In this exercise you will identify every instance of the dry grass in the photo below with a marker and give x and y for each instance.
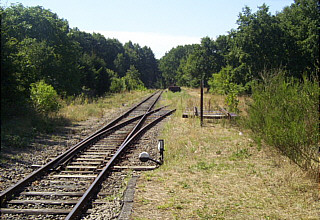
(214, 172)
(81, 108)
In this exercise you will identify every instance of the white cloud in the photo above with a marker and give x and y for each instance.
(159, 43)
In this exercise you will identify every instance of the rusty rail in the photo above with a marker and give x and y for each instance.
(18, 187)
(92, 190)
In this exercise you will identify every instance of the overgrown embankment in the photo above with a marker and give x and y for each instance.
(284, 113)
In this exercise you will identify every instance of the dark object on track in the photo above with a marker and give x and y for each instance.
(174, 88)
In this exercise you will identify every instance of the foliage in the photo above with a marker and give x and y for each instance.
(222, 83)
(131, 81)
(172, 62)
(116, 85)
(262, 41)
(144, 61)
(301, 22)
(284, 112)
(38, 45)
(44, 98)
(232, 98)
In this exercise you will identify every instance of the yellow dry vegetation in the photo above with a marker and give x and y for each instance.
(82, 108)
(218, 172)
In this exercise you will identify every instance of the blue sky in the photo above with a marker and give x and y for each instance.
(159, 24)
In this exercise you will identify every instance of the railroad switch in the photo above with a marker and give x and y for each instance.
(144, 157)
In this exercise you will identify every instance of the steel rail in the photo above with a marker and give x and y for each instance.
(97, 136)
(142, 119)
(92, 190)
(67, 156)
(16, 188)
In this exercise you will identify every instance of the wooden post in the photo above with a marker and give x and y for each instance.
(201, 103)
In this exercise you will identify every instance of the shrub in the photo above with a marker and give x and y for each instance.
(223, 83)
(132, 80)
(284, 112)
(44, 98)
(116, 85)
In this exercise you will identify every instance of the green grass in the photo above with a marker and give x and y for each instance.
(240, 154)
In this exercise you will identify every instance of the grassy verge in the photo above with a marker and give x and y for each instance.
(82, 108)
(216, 172)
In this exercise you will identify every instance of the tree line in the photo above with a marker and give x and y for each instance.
(261, 42)
(38, 46)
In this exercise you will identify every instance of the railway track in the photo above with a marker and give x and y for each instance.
(65, 187)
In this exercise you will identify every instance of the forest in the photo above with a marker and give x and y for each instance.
(261, 42)
(273, 58)
(37, 45)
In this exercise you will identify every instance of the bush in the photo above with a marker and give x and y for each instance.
(116, 85)
(222, 83)
(132, 80)
(284, 112)
(44, 98)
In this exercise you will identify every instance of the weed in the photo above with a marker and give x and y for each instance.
(171, 204)
(110, 198)
(145, 201)
(205, 213)
(184, 185)
(202, 165)
(240, 154)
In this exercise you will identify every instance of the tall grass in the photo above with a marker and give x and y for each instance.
(81, 107)
(284, 113)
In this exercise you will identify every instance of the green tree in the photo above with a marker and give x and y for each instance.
(121, 64)
(258, 44)
(144, 61)
(44, 98)
(200, 64)
(132, 80)
(36, 37)
(300, 21)
(171, 63)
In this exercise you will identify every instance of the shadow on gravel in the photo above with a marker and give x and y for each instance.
(20, 132)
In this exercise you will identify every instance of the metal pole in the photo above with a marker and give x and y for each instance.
(201, 102)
